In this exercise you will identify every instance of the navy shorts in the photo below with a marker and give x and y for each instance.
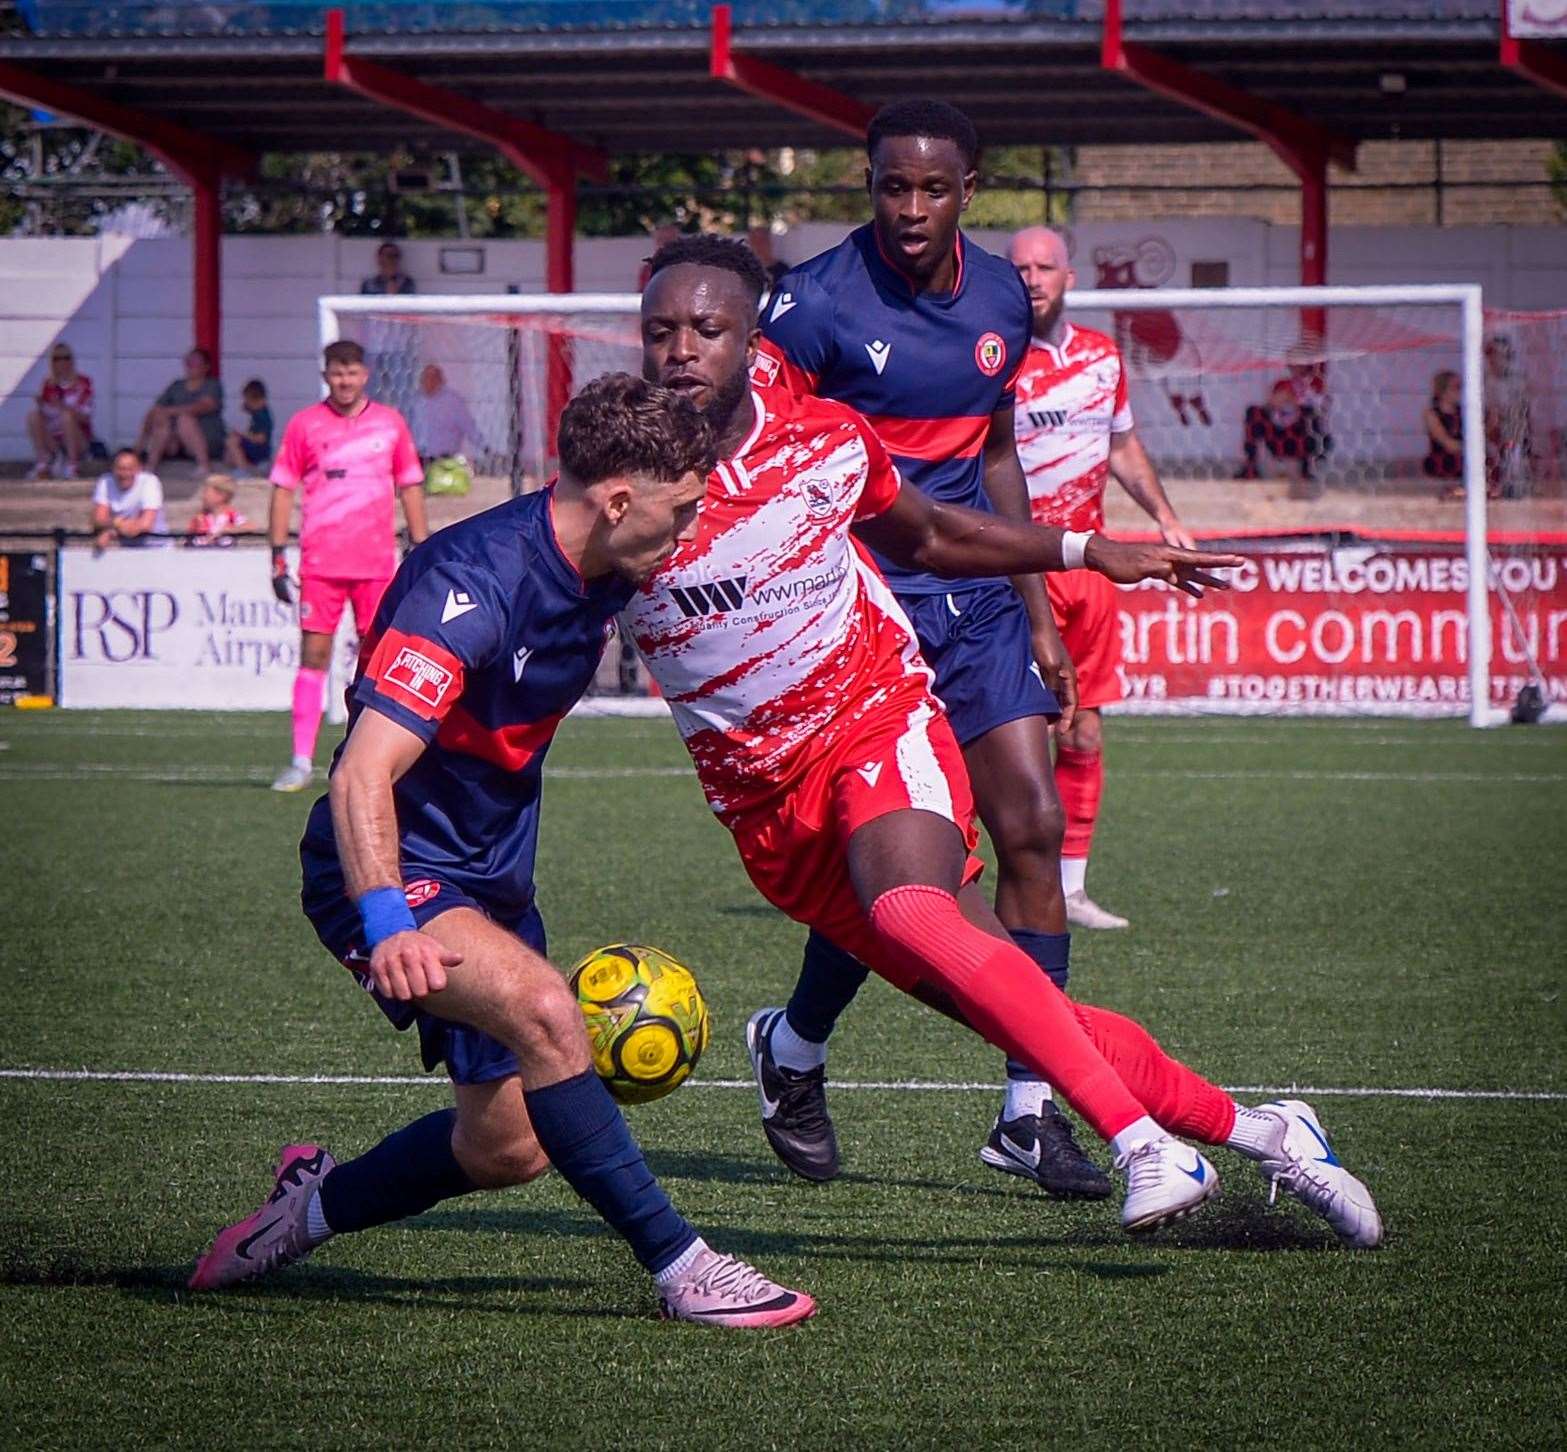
(978, 643)
(471, 1057)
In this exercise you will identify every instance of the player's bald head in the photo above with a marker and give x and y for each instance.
(1039, 244)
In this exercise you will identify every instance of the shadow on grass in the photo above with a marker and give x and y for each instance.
(316, 1282)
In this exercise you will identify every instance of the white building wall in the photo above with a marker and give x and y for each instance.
(124, 305)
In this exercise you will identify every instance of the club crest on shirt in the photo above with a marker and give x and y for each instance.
(818, 499)
(427, 681)
(990, 353)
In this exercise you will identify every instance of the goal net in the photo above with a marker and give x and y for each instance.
(1403, 560)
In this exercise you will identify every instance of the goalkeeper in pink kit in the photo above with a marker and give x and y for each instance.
(347, 456)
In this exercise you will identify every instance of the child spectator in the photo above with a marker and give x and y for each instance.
(218, 519)
(251, 446)
(1282, 427)
(1444, 424)
(127, 505)
(62, 421)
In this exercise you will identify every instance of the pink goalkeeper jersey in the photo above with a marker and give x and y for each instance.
(349, 468)
(1070, 400)
(771, 633)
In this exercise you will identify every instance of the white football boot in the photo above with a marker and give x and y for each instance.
(295, 777)
(1083, 912)
(1301, 1162)
(1165, 1180)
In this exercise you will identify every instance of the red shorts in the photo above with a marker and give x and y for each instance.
(794, 846)
(321, 602)
(1084, 604)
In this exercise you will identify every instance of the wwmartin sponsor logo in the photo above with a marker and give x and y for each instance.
(712, 597)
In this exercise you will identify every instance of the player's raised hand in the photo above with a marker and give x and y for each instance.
(1127, 564)
(410, 965)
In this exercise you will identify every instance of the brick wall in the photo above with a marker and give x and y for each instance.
(1216, 174)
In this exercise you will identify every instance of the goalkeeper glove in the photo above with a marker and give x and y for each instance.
(282, 586)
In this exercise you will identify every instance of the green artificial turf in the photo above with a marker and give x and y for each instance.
(1364, 906)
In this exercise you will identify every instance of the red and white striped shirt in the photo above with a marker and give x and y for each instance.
(1070, 400)
(771, 633)
(54, 398)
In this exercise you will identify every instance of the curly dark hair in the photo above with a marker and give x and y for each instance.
(621, 425)
(924, 118)
(704, 249)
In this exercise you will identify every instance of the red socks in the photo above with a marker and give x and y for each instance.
(1110, 1069)
(1002, 994)
(1080, 781)
(1181, 1100)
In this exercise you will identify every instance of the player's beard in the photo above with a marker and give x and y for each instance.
(1047, 322)
(727, 398)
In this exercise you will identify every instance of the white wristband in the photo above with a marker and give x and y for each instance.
(1074, 549)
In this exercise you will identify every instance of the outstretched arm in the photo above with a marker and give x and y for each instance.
(404, 962)
(1135, 473)
(949, 540)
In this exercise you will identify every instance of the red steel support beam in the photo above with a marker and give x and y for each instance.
(783, 87)
(1536, 62)
(199, 161)
(1301, 144)
(550, 159)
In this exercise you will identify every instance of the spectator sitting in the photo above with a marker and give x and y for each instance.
(218, 519)
(1283, 428)
(388, 279)
(440, 420)
(127, 504)
(1509, 438)
(251, 446)
(187, 418)
(1444, 424)
(62, 421)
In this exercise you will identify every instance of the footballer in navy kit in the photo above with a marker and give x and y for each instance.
(924, 332)
(418, 863)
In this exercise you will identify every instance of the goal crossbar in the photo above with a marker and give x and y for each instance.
(1466, 298)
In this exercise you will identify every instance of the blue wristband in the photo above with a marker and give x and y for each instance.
(384, 911)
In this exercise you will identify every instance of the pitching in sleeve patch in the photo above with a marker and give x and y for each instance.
(415, 673)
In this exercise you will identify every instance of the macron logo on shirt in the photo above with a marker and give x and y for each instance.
(519, 661)
(458, 603)
(784, 303)
(879, 352)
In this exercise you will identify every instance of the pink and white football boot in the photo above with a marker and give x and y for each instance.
(720, 1290)
(276, 1235)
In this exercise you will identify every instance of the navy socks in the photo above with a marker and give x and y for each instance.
(585, 1136)
(1052, 951)
(404, 1175)
(829, 979)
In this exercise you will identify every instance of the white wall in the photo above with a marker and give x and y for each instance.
(124, 305)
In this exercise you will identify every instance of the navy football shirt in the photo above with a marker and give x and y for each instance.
(485, 639)
(926, 369)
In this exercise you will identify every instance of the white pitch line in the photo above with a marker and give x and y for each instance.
(154, 1076)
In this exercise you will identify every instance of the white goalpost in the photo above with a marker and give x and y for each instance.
(1289, 421)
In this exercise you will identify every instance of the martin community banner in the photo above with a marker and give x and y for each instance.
(1311, 625)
